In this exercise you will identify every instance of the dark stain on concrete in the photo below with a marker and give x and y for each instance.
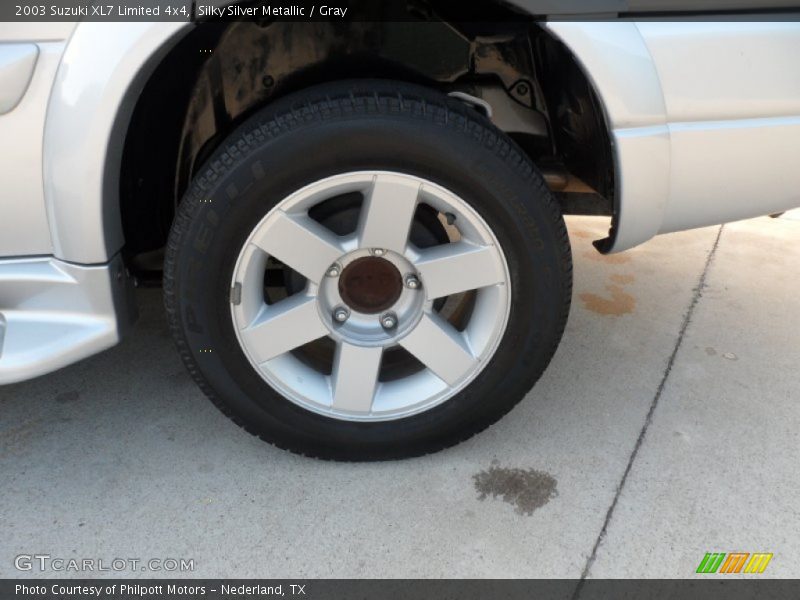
(620, 302)
(526, 490)
(68, 397)
(15, 439)
(623, 278)
(609, 259)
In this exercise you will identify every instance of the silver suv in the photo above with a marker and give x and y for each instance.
(358, 223)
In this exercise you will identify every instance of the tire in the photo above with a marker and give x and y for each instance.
(397, 134)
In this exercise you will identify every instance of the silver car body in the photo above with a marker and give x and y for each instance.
(704, 119)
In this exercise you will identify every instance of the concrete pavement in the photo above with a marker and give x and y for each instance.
(666, 427)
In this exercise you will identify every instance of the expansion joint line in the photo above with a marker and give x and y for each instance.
(687, 319)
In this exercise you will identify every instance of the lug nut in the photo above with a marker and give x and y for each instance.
(341, 314)
(333, 270)
(378, 251)
(413, 282)
(389, 321)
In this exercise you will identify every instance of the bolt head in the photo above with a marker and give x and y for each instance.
(378, 251)
(389, 321)
(413, 282)
(333, 271)
(341, 314)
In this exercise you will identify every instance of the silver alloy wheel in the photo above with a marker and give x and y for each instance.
(352, 296)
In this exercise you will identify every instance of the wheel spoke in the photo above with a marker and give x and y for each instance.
(460, 267)
(387, 213)
(438, 346)
(283, 327)
(355, 377)
(300, 242)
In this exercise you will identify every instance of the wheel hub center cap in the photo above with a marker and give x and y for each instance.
(370, 284)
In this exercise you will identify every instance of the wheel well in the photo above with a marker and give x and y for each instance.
(220, 73)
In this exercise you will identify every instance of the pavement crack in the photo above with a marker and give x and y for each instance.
(687, 319)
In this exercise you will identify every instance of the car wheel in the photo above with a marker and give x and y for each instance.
(367, 270)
